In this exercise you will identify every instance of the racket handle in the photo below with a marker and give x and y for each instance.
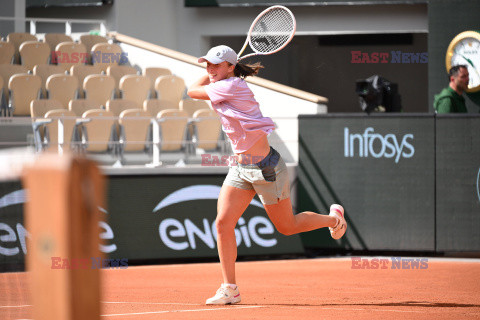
(243, 49)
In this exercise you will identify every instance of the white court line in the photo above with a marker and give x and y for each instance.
(126, 302)
(155, 303)
(20, 306)
(172, 311)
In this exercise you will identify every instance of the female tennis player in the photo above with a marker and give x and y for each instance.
(259, 168)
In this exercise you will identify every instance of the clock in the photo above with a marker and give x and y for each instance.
(465, 49)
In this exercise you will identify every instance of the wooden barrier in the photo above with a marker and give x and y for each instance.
(64, 193)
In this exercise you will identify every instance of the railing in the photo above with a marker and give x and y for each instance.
(68, 23)
(152, 156)
(192, 60)
(190, 152)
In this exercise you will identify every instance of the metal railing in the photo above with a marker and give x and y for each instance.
(68, 23)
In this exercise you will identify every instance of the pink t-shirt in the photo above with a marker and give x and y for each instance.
(239, 113)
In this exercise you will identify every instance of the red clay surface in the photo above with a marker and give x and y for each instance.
(281, 289)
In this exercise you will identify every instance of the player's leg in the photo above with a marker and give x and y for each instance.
(287, 223)
(232, 202)
(273, 188)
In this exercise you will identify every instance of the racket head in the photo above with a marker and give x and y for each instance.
(271, 31)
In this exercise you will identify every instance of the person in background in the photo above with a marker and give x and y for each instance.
(450, 99)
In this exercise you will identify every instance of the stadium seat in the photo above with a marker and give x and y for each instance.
(33, 53)
(80, 106)
(135, 88)
(170, 88)
(117, 106)
(99, 88)
(118, 72)
(154, 106)
(68, 54)
(134, 132)
(207, 130)
(63, 88)
(190, 106)
(17, 38)
(53, 39)
(98, 133)
(7, 52)
(68, 119)
(89, 40)
(81, 72)
(44, 71)
(153, 73)
(2, 111)
(105, 55)
(24, 88)
(39, 107)
(6, 72)
(173, 128)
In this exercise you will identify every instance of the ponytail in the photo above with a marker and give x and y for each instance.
(245, 70)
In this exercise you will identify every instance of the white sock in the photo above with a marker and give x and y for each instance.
(336, 224)
(231, 285)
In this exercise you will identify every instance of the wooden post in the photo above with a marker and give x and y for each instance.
(61, 214)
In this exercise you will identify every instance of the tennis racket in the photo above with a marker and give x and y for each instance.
(270, 32)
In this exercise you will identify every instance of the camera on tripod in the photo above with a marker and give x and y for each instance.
(377, 94)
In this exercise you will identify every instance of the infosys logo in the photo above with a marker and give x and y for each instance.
(371, 144)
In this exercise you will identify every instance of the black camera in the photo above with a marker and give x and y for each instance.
(377, 94)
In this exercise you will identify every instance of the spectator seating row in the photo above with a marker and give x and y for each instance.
(11, 51)
(118, 132)
(105, 108)
(122, 82)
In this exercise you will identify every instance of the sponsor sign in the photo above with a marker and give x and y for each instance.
(175, 215)
(458, 182)
(380, 168)
(151, 218)
(376, 145)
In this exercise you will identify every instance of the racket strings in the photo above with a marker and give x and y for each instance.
(272, 31)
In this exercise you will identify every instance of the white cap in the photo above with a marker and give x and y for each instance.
(219, 54)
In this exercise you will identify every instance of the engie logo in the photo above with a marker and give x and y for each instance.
(373, 144)
(182, 235)
(9, 238)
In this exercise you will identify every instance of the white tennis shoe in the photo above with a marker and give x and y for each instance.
(338, 231)
(225, 295)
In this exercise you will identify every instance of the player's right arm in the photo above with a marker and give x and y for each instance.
(197, 90)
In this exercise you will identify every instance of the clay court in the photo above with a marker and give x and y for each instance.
(325, 288)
